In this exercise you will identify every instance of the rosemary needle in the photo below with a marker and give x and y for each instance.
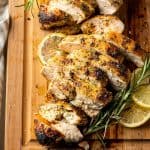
(28, 6)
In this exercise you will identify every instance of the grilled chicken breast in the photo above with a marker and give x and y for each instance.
(67, 30)
(90, 92)
(65, 88)
(45, 134)
(127, 46)
(65, 12)
(97, 56)
(62, 88)
(54, 112)
(53, 18)
(109, 6)
(69, 132)
(91, 97)
(48, 133)
(58, 121)
(117, 73)
(69, 12)
(79, 10)
(102, 24)
(75, 79)
(70, 43)
(86, 95)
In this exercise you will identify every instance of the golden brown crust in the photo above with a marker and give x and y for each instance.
(53, 18)
(102, 24)
(73, 42)
(59, 16)
(45, 135)
(67, 29)
(61, 110)
(127, 46)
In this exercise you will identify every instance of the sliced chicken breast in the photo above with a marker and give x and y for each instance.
(45, 134)
(78, 10)
(91, 97)
(90, 42)
(62, 88)
(67, 29)
(109, 6)
(52, 72)
(118, 74)
(102, 24)
(69, 132)
(52, 133)
(53, 18)
(127, 46)
(60, 110)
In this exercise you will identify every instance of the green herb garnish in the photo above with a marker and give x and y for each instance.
(111, 113)
(28, 6)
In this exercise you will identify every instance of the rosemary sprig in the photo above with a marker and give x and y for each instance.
(28, 6)
(111, 113)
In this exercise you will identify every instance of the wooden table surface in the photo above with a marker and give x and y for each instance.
(141, 34)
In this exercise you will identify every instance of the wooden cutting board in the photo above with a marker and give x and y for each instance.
(26, 87)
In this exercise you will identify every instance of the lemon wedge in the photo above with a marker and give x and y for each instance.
(134, 116)
(49, 47)
(142, 96)
(136, 76)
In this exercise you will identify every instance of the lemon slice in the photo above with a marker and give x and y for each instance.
(136, 75)
(49, 47)
(134, 116)
(142, 96)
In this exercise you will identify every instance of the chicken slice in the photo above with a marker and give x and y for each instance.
(67, 29)
(91, 97)
(62, 66)
(62, 88)
(65, 88)
(109, 6)
(127, 46)
(102, 24)
(70, 43)
(69, 132)
(60, 110)
(97, 96)
(78, 10)
(47, 133)
(118, 74)
(52, 72)
(53, 18)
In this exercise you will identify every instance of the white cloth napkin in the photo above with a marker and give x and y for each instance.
(4, 27)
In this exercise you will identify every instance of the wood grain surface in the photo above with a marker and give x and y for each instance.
(26, 87)
(14, 81)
